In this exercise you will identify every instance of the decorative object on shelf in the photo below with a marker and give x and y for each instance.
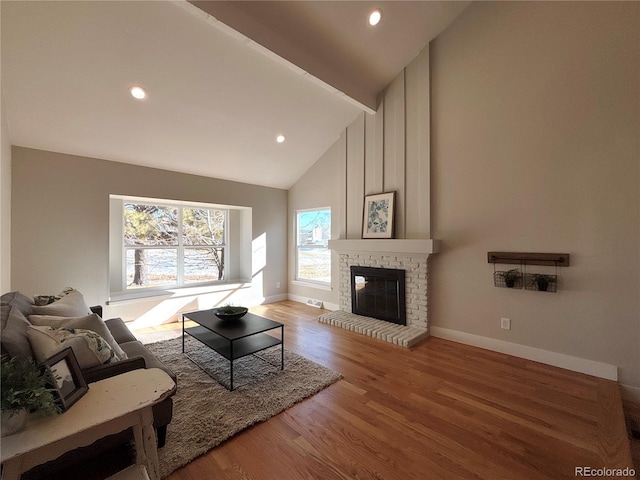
(230, 312)
(540, 282)
(67, 380)
(509, 279)
(24, 390)
(378, 215)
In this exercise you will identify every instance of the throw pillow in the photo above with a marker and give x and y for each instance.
(91, 322)
(18, 300)
(41, 300)
(14, 333)
(71, 305)
(47, 299)
(89, 348)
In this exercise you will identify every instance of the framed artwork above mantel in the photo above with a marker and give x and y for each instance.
(378, 215)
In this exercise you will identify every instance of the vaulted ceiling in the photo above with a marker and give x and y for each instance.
(223, 78)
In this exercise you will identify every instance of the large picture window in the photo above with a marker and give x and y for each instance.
(313, 257)
(172, 245)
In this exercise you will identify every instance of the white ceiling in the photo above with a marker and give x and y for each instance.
(217, 100)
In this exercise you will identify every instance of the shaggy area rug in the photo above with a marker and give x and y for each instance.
(205, 413)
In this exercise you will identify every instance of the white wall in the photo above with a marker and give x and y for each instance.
(535, 148)
(388, 151)
(60, 233)
(317, 188)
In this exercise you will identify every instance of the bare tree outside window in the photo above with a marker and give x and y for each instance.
(173, 245)
(203, 229)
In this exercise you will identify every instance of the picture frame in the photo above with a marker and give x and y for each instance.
(378, 215)
(67, 381)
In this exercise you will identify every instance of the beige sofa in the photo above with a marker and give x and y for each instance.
(16, 310)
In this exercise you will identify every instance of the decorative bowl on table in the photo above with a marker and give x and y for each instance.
(230, 313)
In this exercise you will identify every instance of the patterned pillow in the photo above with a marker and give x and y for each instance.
(89, 347)
(91, 322)
(70, 305)
(41, 300)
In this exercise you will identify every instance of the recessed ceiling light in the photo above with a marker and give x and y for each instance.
(280, 138)
(138, 92)
(375, 17)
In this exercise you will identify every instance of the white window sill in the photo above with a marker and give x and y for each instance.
(319, 286)
(121, 297)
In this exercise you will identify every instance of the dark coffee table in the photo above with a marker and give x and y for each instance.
(233, 339)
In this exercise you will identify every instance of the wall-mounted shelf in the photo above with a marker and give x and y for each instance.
(518, 278)
(520, 258)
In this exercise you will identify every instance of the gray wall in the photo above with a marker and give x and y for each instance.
(535, 111)
(5, 202)
(60, 224)
(534, 147)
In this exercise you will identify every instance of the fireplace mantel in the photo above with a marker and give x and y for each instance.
(409, 255)
(386, 246)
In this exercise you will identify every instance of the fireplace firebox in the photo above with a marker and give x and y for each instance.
(379, 293)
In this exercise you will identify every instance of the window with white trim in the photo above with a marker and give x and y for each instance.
(313, 257)
(172, 245)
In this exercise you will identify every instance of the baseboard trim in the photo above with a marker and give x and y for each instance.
(590, 367)
(630, 393)
(275, 298)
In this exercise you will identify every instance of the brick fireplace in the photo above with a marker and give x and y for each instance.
(412, 256)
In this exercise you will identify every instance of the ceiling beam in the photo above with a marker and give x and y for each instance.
(238, 22)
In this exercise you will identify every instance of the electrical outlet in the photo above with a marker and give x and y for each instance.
(505, 323)
(277, 284)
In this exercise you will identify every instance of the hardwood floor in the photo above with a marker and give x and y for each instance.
(440, 410)
(632, 414)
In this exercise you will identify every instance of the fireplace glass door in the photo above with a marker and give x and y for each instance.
(379, 293)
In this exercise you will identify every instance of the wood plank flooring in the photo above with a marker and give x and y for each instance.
(632, 414)
(441, 410)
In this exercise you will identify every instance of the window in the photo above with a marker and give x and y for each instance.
(172, 245)
(313, 258)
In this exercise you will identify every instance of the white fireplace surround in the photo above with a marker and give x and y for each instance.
(406, 254)
(419, 247)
